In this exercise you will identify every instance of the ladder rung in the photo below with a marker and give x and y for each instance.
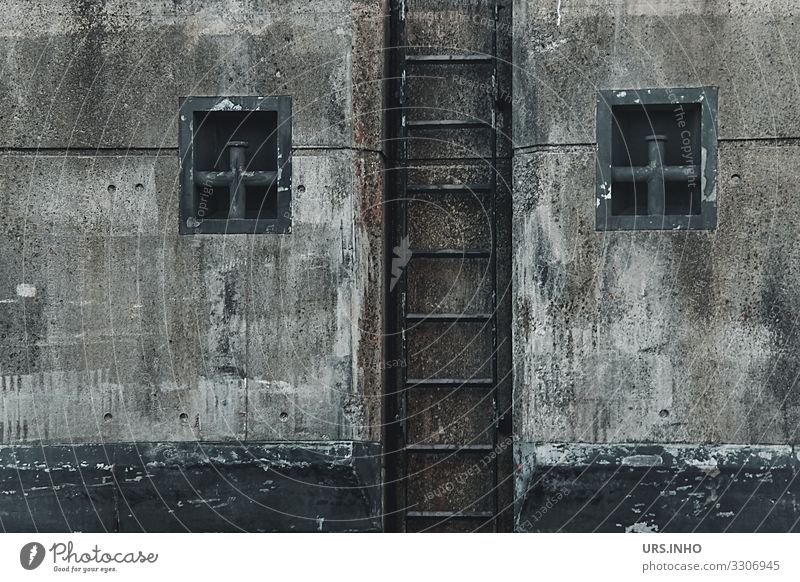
(433, 124)
(450, 253)
(449, 317)
(451, 515)
(449, 382)
(449, 59)
(431, 448)
(448, 188)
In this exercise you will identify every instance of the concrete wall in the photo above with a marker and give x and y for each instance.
(104, 308)
(655, 337)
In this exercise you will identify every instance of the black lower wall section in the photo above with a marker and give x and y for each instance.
(209, 487)
(656, 488)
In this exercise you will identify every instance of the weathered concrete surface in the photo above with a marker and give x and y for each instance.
(656, 488)
(108, 73)
(657, 337)
(565, 50)
(113, 327)
(176, 487)
(126, 318)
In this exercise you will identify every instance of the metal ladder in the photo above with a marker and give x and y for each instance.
(429, 467)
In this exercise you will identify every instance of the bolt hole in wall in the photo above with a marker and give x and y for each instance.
(301, 188)
(664, 413)
(184, 418)
(283, 416)
(138, 187)
(108, 417)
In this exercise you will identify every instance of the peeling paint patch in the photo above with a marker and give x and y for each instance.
(26, 290)
(551, 46)
(709, 467)
(643, 461)
(640, 527)
(226, 105)
(707, 196)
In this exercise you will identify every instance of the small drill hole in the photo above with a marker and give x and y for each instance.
(284, 417)
(301, 188)
(664, 413)
(736, 178)
(139, 187)
(108, 416)
(111, 188)
(184, 417)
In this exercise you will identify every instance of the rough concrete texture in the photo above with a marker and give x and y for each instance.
(565, 50)
(659, 336)
(655, 336)
(108, 73)
(114, 327)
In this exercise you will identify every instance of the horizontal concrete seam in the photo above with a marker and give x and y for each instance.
(439, 161)
(725, 140)
(197, 444)
(145, 151)
(761, 140)
(538, 147)
(630, 444)
(60, 152)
